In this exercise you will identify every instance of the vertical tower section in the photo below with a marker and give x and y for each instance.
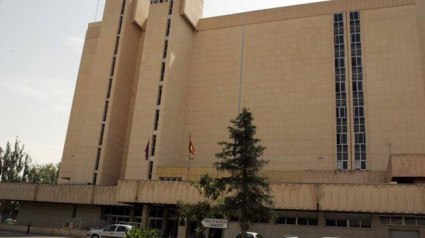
(342, 139)
(97, 129)
(160, 103)
(148, 100)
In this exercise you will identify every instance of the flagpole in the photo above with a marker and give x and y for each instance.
(188, 161)
(188, 167)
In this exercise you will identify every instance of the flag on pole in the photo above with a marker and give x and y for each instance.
(147, 151)
(191, 148)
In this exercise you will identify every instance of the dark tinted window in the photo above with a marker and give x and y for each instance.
(341, 223)
(291, 220)
(121, 229)
(330, 222)
(110, 228)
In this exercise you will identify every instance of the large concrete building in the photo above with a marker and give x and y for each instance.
(337, 91)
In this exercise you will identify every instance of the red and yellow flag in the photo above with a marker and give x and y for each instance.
(191, 147)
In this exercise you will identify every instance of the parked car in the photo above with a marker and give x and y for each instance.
(250, 235)
(9, 221)
(116, 230)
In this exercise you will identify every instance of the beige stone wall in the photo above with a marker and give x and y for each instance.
(48, 214)
(277, 230)
(172, 132)
(192, 10)
(131, 38)
(75, 150)
(288, 83)
(44, 213)
(394, 85)
(88, 212)
(136, 167)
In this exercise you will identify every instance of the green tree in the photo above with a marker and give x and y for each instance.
(14, 163)
(247, 192)
(136, 232)
(45, 173)
(211, 207)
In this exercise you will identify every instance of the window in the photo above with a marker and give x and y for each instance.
(365, 223)
(102, 130)
(358, 98)
(119, 26)
(349, 223)
(384, 220)
(113, 65)
(156, 120)
(167, 33)
(330, 223)
(162, 71)
(402, 220)
(94, 178)
(291, 220)
(153, 145)
(123, 7)
(158, 103)
(150, 170)
(341, 223)
(96, 166)
(171, 8)
(117, 41)
(340, 93)
(105, 111)
(301, 221)
(110, 228)
(170, 178)
(165, 49)
(121, 229)
(261, 220)
(396, 220)
(108, 94)
(156, 224)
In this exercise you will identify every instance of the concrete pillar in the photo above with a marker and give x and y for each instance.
(131, 218)
(145, 216)
(321, 219)
(182, 230)
(164, 220)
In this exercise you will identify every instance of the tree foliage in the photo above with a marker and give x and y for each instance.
(14, 163)
(247, 192)
(137, 232)
(45, 173)
(16, 167)
(211, 207)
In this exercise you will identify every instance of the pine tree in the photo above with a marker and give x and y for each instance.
(247, 192)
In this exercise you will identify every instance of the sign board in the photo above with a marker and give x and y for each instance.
(215, 223)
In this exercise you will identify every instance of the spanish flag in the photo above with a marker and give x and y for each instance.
(191, 148)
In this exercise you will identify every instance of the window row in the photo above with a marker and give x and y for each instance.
(402, 220)
(158, 1)
(349, 223)
(297, 221)
(170, 178)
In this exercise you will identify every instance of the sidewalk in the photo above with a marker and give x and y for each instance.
(20, 234)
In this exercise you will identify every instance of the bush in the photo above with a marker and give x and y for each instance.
(136, 232)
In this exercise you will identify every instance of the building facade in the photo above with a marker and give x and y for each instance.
(337, 91)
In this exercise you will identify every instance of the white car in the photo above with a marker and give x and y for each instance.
(250, 235)
(116, 230)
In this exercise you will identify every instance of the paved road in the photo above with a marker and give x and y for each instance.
(18, 234)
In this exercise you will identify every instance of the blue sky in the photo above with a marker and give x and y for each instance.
(40, 50)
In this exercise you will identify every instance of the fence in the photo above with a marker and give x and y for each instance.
(57, 226)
